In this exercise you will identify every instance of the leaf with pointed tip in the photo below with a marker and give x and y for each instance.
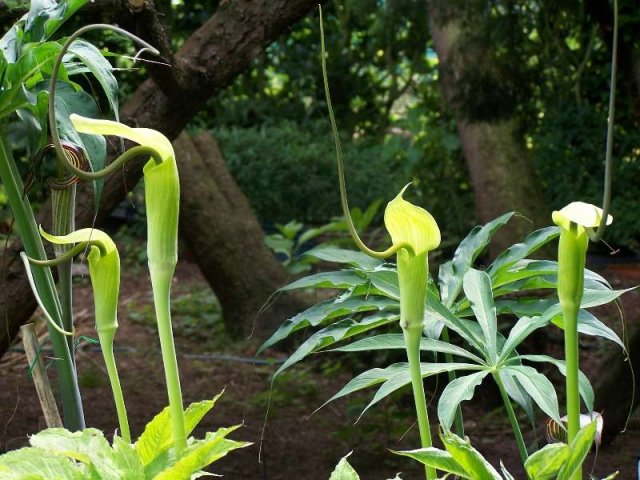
(452, 272)
(329, 253)
(539, 387)
(385, 280)
(519, 251)
(330, 309)
(469, 458)
(586, 390)
(517, 393)
(36, 464)
(341, 279)
(524, 327)
(547, 462)
(588, 324)
(344, 471)
(477, 288)
(578, 450)
(395, 341)
(337, 332)
(457, 391)
(436, 458)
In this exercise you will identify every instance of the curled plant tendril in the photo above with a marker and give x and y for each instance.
(64, 162)
(608, 169)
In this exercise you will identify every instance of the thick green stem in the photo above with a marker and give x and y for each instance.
(570, 317)
(106, 343)
(161, 276)
(25, 221)
(522, 448)
(412, 336)
(63, 202)
(458, 420)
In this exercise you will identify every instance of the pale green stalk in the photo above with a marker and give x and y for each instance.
(106, 344)
(522, 448)
(73, 416)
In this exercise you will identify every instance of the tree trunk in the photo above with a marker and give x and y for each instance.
(213, 56)
(498, 162)
(222, 232)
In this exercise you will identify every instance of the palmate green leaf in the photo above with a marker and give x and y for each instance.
(156, 437)
(452, 272)
(477, 288)
(328, 310)
(469, 458)
(519, 251)
(394, 341)
(586, 390)
(344, 471)
(341, 279)
(330, 253)
(547, 462)
(38, 464)
(578, 450)
(437, 311)
(336, 332)
(524, 327)
(436, 458)
(517, 393)
(538, 387)
(457, 391)
(393, 378)
(201, 453)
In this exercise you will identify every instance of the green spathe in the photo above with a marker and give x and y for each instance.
(162, 200)
(104, 270)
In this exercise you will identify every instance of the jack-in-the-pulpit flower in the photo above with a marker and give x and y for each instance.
(162, 202)
(104, 271)
(576, 220)
(416, 229)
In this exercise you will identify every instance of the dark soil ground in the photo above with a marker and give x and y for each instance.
(296, 444)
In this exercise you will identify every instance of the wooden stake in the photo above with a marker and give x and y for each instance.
(40, 379)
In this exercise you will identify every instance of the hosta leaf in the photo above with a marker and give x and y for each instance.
(328, 310)
(344, 471)
(547, 462)
(436, 458)
(390, 341)
(329, 253)
(452, 272)
(201, 453)
(336, 332)
(539, 387)
(341, 279)
(586, 390)
(477, 288)
(469, 458)
(578, 450)
(457, 391)
(37, 464)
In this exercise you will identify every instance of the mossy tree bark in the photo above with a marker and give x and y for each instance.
(498, 161)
